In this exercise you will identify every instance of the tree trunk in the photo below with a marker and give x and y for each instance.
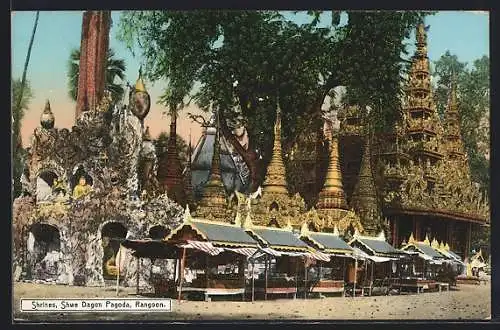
(23, 80)
(249, 156)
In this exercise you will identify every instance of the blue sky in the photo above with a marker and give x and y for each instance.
(465, 34)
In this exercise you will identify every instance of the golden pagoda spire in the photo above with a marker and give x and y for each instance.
(421, 37)
(332, 195)
(426, 240)
(213, 202)
(435, 243)
(275, 181)
(364, 197)
(188, 187)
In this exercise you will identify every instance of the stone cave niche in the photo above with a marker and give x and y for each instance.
(80, 172)
(44, 246)
(44, 183)
(158, 232)
(112, 233)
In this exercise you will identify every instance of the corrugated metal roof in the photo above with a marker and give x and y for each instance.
(224, 233)
(276, 237)
(428, 250)
(331, 242)
(379, 246)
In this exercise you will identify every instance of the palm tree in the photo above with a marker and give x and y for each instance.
(114, 68)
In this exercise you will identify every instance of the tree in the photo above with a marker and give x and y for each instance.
(473, 93)
(244, 59)
(21, 100)
(18, 111)
(115, 68)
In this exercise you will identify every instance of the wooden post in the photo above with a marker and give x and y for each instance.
(355, 277)
(181, 273)
(371, 278)
(253, 280)
(117, 262)
(305, 277)
(242, 272)
(265, 274)
(137, 276)
(343, 275)
(468, 240)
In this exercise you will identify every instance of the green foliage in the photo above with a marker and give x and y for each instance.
(243, 60)
(473, 93)
(18, 152)
(115, 68)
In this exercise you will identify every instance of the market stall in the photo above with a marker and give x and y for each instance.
(213, 258)
(328, 275)
(283, 255)
(381, 262)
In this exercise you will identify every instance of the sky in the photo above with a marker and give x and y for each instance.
(463, 33)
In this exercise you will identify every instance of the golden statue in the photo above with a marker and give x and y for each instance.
(81, 189)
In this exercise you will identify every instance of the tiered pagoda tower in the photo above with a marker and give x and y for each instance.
(170, 168)
(332, 207)
(213, 204)
(431, 194)
(364, 198)
(276, 207)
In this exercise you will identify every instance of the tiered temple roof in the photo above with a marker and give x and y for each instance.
(231, 174)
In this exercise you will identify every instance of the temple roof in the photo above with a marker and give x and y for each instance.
(232, 177)
(425, 249)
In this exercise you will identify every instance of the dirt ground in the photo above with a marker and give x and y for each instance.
(468, 302)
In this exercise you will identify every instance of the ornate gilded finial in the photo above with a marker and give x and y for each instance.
(288, 225)
(447, 247)
(275, 181)
(403, 243)
(381, 236)
(139, 84)
(441, 246)
(187, 215)
(435, 243)
(411, 239)
(336, 231)
(356, 233)
(426, 240)
(247, 224)
(304, 229)
(47, 119)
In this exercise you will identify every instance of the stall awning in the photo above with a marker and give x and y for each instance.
(360, 254)
(148, 248)
(206, 247)
(248, 252)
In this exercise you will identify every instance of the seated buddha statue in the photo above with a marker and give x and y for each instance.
(111, 268)
(81, 189)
